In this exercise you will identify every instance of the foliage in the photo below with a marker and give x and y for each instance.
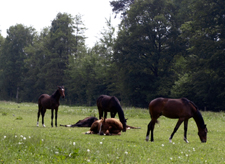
(167, 48)
(204, 35)
(145, 49)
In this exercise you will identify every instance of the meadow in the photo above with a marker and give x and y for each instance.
(21, 141)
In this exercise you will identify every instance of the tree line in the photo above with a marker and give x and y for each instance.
(168, 48)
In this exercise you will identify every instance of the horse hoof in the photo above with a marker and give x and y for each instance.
(44, 125)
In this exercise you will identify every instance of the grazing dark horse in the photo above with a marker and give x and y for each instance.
(110, 104)
(49, 102)
(183, 109)
(86, 122)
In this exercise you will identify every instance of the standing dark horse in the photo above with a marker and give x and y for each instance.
(49, 102)
(110, 104)
(183, 109)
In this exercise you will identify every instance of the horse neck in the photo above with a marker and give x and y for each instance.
(120, 113)
(56, 95)
(199, 119)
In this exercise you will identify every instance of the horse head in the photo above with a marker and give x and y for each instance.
(125, 125)
(61, 91)
(202, 133)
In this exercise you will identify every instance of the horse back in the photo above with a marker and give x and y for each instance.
(87, 122)
(107, 103)
(47, 102)
(114, 123)
(171, 108)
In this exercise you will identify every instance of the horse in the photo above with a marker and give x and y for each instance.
(110, 104)
(86, 122)
(46, 101)
(183, 109)
(109, 126)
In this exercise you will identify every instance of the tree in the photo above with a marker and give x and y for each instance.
(34, 80)
(89, 69)
(204, 35)
(145, 48)
(121, 6)
(12, 59)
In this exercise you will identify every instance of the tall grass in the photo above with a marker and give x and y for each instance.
(22, 142)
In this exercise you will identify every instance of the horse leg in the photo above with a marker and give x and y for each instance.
(151, 126)
(43, 115)
(52, 115)
(113, 114)
(38, 115)
(105, 115)
(100, 111)
(56, 115)
(185, 131)
(176, 128)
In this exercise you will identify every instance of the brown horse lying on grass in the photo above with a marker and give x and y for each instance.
(87, 122)
(109, 126)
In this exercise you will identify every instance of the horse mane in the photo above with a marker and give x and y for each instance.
(119, 110)
(197, 115)
(54, 95)
(185, 101)
(188, 102)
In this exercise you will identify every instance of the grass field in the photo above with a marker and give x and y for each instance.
(22, 142)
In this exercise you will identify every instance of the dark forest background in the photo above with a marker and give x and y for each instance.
(170, 48)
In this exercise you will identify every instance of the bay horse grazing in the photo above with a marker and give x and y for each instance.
(86, 122)
(110, 104)
(109, 126)
(183, 109)
(46, 101)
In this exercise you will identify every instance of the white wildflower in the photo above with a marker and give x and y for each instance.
(88, 150)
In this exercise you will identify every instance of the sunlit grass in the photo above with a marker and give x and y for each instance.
(22, 142)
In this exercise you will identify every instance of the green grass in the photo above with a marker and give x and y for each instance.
(22, 142)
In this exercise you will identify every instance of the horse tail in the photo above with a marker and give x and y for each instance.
(132, 127)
